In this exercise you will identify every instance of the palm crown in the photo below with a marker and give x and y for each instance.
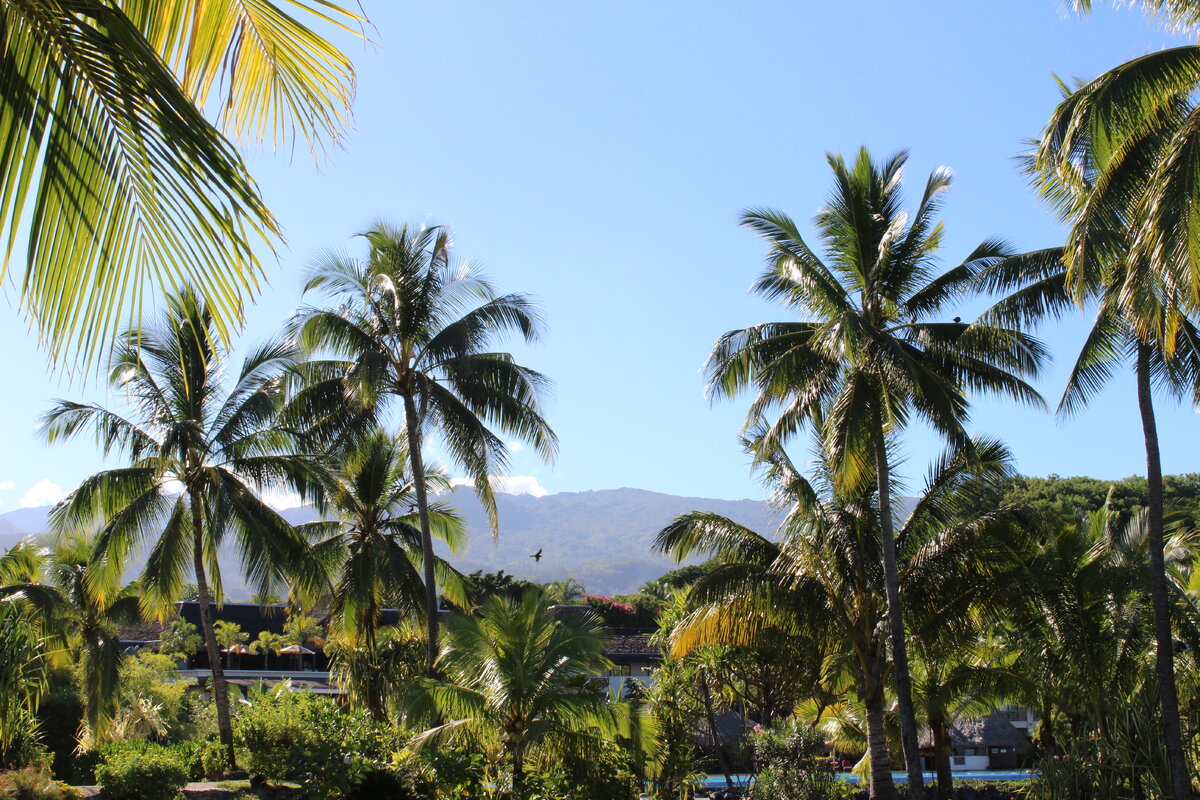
(372, 544)
(416, 325)
(872, 345)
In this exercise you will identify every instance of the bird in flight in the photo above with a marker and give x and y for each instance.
(537, 556)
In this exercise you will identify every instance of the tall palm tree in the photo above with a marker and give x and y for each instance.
(105, 132)
(371, 539)
(1144, 316)
(871, 352)
(517, 673)
(200, 453)
(414, 325)
(824, 579)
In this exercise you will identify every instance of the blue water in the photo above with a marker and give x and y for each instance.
(718, 781)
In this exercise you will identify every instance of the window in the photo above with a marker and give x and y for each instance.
(958, 761)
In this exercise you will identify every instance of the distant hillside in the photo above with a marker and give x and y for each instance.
(600, 538)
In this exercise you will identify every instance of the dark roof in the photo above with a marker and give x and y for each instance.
(991, 731)
(143, 632)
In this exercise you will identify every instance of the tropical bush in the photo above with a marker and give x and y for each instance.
(309, 739)
(146, 775)
(787, 760)
(34, 784)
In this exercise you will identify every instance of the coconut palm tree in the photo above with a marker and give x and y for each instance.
(517, 673)
(823, 580)
(91, 614)
(870, 352)
(414, 326)
(106, 131)
(200, 454)
(1145, 315)
(371, 539)
(267, 643)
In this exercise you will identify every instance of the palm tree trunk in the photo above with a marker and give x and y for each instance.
(413, 429)
(518, 773)
(941, 757)
(882, 787)
(1164, 660)
(706, 697)
(891, 579)
(219, 689)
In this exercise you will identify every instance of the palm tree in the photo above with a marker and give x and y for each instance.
(199, 457)
(25, 618)
(372, 544)
(92, 613)
(516, 672)
(823, 581)
(1144, 315)
(872, 353)
(415, 325)
(267, 643)
(106, 132)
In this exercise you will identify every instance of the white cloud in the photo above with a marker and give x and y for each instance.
(7, 486)
(511, 484)
(42, 493)
(281, 499)
(515, 447)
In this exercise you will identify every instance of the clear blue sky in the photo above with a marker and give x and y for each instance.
(596, 155)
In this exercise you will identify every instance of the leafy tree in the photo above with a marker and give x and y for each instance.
(498, 584)
(517, 673)
(185, 430)
(1066, 498)
(870, 353)
(107, 133)
(414, 325)
(180, 639)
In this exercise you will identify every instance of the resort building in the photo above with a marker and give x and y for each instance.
(981, 743)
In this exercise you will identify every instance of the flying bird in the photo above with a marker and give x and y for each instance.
(537, 557)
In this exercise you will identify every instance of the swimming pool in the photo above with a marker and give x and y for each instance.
(718, 781)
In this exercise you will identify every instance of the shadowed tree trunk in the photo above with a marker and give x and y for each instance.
(1164, 659)
(882, 787)
(941, 756)
(706, 696)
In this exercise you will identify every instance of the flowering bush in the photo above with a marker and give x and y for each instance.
(638, 611)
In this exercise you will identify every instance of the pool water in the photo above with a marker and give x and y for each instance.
(718, 781)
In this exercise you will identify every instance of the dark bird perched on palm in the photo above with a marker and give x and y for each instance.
(537, 557)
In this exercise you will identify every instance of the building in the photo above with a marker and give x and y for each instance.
(634, 657)
(981, 743)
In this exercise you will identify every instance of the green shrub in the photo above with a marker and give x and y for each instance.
(213, 759)
(309, 739)
(34, 784)
(787, 760)
(142, 776)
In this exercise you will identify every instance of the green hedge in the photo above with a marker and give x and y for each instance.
(142, 775)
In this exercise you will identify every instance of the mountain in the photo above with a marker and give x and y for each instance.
(600, 538)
